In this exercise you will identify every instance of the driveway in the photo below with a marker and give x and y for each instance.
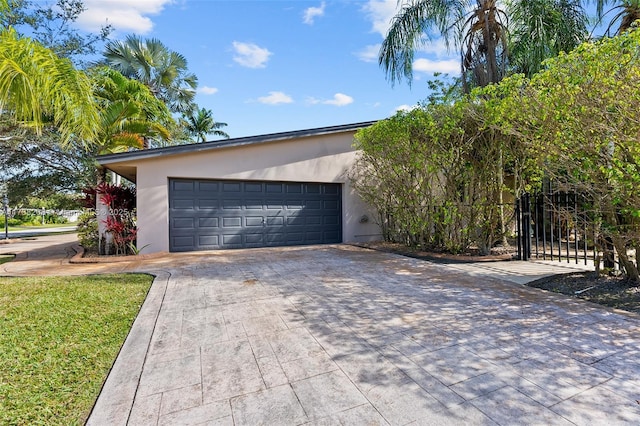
(330, 335)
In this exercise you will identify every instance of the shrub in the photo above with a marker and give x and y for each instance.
(88, 229)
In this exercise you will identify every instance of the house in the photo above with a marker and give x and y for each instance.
(278, 189)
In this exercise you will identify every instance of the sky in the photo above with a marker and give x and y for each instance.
(275, 65)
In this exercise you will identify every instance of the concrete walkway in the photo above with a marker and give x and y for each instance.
(330, 335)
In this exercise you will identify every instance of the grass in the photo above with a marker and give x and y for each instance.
(4, 258)
(60, 336)
(45, 226)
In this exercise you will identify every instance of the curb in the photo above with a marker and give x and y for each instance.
(79, 259)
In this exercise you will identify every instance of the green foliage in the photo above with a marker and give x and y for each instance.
(53, 25)
(36, 86)
(87, 229)
(32, 219)
(436, 176)
(60, 337)
(579, 119)
(200, 124)
(162, 70)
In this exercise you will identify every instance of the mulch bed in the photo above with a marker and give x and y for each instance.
(612, 291)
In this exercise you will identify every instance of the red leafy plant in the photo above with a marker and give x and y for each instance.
(120, 218)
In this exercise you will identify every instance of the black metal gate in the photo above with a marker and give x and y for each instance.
(553, 225)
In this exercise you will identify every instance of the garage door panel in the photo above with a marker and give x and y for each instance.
(232, 222)
(331, 205)
(254, 221)
(273, 188)
(232, 239)
(208, 204)
(184, 223)
(252, 187)
(183, 241)
(182, 186)
(313, 205)
(208, 222)
(294, 188)
(235, 214)
(312, 188)
(231, 187)
(183, 204)
(275, 221)
(208, 240)
(254, 239)
(204, 186)
(331, 189)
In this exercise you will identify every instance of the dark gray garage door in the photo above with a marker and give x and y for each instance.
(214, 214)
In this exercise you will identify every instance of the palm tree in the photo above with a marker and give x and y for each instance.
(162, 70)
(626, 12)
(201, 124)
(541, 29)
(480, 29)
(130, 115)
(479, 33)
(36, 86)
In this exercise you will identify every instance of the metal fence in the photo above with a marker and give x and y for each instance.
(554, 225)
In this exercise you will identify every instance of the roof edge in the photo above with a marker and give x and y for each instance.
(225, 143)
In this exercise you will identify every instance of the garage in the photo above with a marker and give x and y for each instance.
(207, 214)
(280, 189)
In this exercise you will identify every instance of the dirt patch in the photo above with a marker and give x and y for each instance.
(615, 292)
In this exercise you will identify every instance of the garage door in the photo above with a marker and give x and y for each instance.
(214, 214)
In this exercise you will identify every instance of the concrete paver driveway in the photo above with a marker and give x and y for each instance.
(341, 335)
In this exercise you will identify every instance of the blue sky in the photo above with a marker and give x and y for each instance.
(273, 65)
(268, 66)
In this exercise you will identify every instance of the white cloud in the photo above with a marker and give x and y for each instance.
(276, 98)
(380, 13)
(369, 53)
(339, 99)
(125, 16)
(206, 90)
(405, 108)
(450, 66)
(250, 55)
(312, 12)
(435, 46)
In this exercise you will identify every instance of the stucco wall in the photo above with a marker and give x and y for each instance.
(312, 159)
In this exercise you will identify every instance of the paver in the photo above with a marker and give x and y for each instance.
(341, 335)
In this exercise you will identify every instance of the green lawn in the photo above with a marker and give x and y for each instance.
(59, 337)
(45, 226)
(4, 258)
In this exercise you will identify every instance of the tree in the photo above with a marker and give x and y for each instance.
(130, 115)
(480, 29)
(201, 124)
(37, 86)
(162, 70)
(541, 29)
(625, 14)
(36, 166)
(579, 118)
(53, 26)
(479, 33)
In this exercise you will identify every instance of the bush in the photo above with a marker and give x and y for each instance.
(88, 229)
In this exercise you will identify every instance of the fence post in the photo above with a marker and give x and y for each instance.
(518, 227)
(526, 226)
